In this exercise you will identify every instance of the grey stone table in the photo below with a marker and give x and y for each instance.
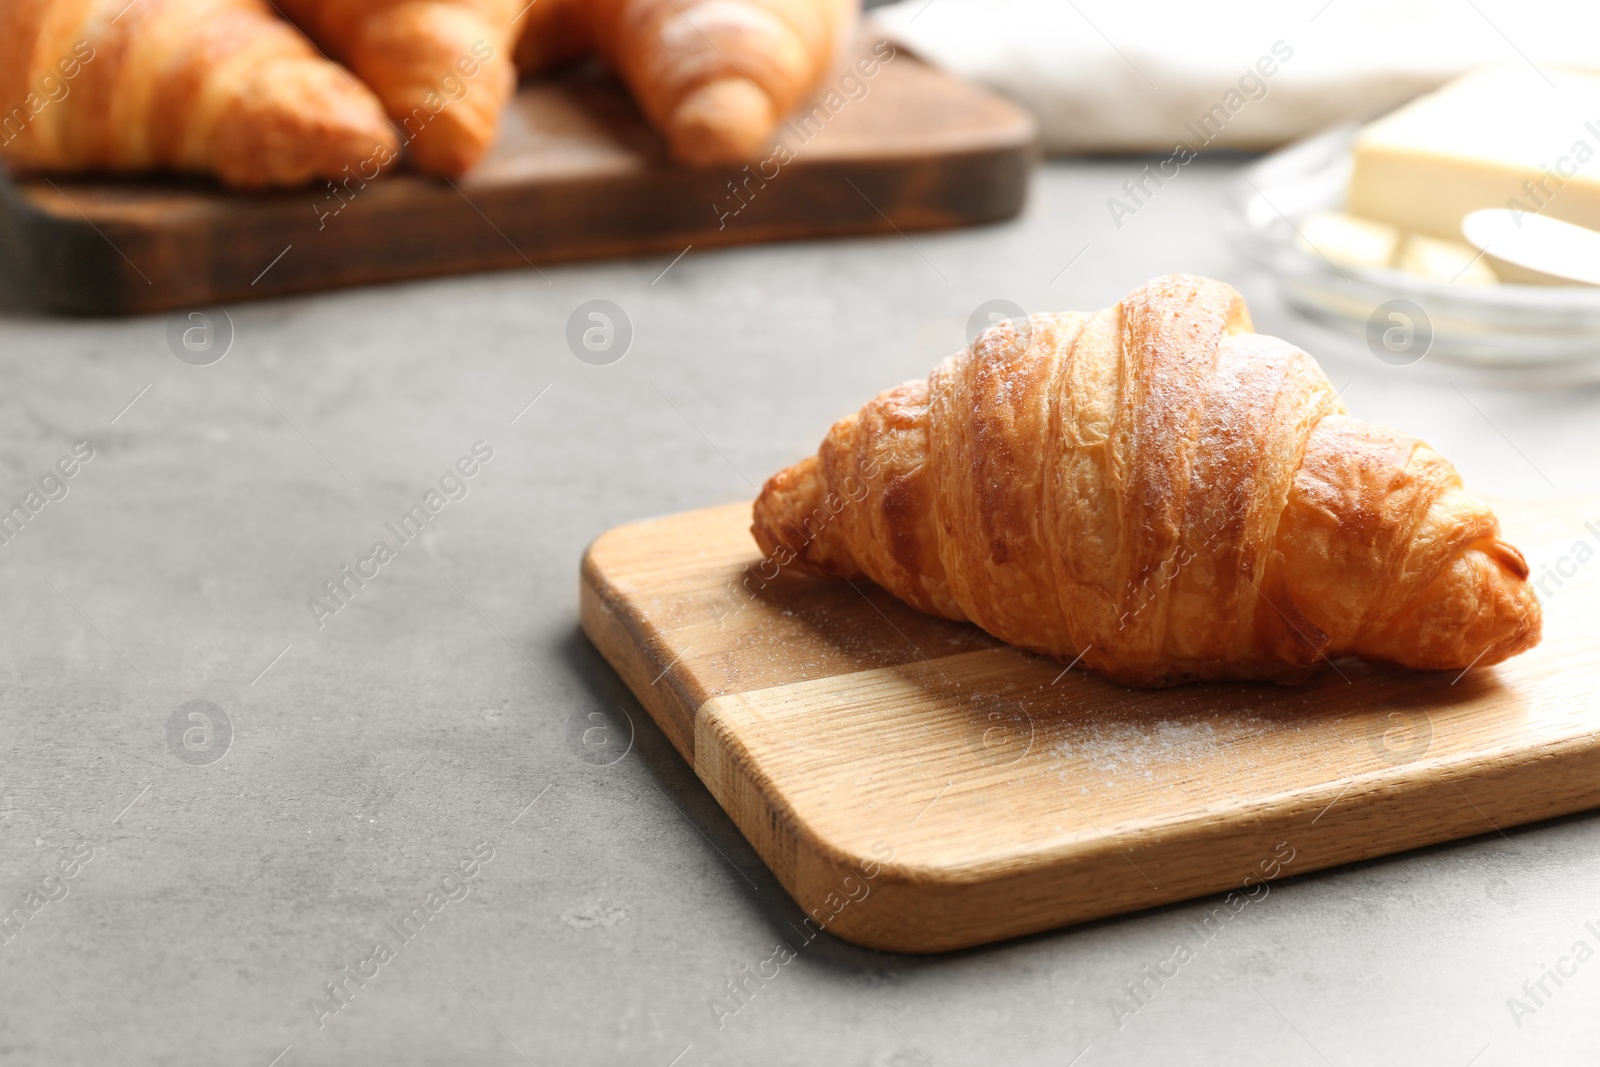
(203, 875)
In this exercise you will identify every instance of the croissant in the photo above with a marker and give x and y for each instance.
(1162, 492)
(223, 87)
(443, 68)
(714, 76)
(553, 32)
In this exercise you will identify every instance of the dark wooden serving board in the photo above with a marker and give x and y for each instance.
(575, 174)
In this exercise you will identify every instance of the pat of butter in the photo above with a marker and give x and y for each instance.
(1502, 137)
(1451, 262)
(1349, 241)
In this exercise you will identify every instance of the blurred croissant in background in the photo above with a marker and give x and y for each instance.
(221, 87)
(714, 76)
(231, 89)
(441, 67)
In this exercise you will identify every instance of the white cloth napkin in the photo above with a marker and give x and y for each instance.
(1139, 75)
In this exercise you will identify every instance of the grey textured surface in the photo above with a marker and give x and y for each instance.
(422, 720)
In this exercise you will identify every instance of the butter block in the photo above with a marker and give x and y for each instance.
(1349, 241)
(1501, 137)
(1451, 262)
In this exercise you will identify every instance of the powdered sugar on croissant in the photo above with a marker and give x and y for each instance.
(1158, 488)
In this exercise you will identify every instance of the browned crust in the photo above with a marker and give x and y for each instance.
(1166, 494)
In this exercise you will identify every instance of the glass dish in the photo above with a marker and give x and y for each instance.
(1532, 334)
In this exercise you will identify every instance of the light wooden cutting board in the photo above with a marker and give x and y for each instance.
(918, 786)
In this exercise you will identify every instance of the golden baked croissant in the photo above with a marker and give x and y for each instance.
(714, 76)
(443, 68)
(1162, 491)
(223, 87)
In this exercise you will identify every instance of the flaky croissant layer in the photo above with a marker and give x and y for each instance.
(1160, 491)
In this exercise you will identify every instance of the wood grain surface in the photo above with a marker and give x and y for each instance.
(575, 174)
(918, 786)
